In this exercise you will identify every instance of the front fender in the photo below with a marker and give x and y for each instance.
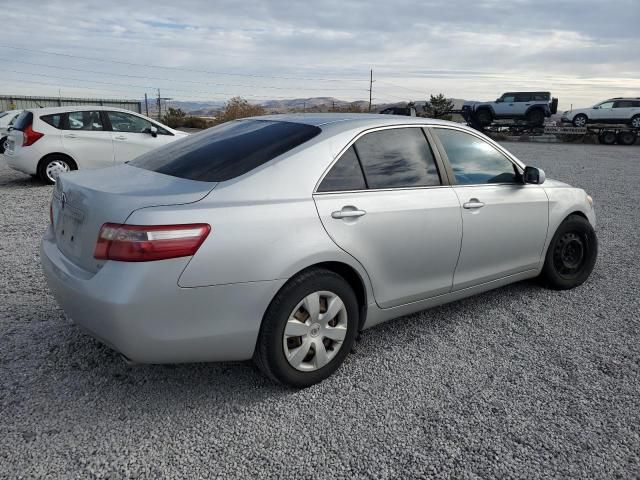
(564, 201)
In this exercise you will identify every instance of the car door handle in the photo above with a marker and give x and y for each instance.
(348, 213)
(473, 204)
(70, 135)
(120, 137)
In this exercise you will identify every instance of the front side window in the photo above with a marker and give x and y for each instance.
(125, 122)
(606, 105)
(226, 151)
(397, 158)
(475, 161)
(345, 174)
(85, 121)
(509, 98)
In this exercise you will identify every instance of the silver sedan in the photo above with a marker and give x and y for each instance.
(279, 238)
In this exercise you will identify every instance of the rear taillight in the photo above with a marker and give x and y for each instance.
(144, 243)
(30, 136)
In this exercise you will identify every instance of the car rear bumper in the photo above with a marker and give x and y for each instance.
(139, 310)
(24, 160)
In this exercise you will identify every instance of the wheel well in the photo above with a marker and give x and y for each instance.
(578, 213)
(353, 279)
(73, 164)
(534, 108)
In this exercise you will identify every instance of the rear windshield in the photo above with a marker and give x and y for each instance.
(226, 151)
(23, 121)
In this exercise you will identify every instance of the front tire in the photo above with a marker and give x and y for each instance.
(484, 117)
(635, 121)
(571, 255)
(308, 329)
(2, 141)
(580, 120)
(52, 166)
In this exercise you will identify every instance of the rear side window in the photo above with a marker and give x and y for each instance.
(622, 104)
(523, 97)
(345, 175)
(226, 151)
(23, 121)
(475, 161)
(54, 120)
(397, 158)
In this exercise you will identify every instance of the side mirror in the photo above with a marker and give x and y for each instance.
(534, 175)
(153, 131)
(498, 100)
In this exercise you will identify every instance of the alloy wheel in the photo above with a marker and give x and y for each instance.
(315, 331)
(635, 122)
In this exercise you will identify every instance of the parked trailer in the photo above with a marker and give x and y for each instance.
(19, 102)
(608, 134)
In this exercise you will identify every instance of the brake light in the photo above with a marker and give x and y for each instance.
(30, 136)
(144, 243)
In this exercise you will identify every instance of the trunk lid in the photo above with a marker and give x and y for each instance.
(84, 200)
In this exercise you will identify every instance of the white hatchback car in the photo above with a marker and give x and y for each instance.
(7, 118)
(45, 142)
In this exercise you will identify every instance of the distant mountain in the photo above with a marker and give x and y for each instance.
(316, 104)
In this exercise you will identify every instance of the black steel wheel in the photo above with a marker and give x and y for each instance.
(571, 255)
(627, 138)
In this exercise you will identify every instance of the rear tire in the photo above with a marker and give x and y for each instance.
(627, 138)
(535, 117)
(2, 140)
(607, 137)
(580, 120)
(53, 165)
(571, 255)
(300, 345)
(635, 121)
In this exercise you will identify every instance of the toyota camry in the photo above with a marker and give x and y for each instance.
(280, 238)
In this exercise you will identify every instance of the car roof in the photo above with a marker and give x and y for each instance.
(350, 120)
(77, 108)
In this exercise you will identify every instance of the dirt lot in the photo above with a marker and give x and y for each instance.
(519, 382)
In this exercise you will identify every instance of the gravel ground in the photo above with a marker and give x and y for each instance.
(519, 382)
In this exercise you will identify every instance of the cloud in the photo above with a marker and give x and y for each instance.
(582, 51)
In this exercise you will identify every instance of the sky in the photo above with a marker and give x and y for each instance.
(582, 51)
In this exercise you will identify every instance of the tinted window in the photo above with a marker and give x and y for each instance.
(523, 97)
(396, 158)
(226, 151)
(53, 120)
(84, 121)
(24, 120)
(474, 161)
(345, 174)
(125, 122)
(623, 104)
(636, 104)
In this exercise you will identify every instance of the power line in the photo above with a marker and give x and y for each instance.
(171, 80)
(253, 75)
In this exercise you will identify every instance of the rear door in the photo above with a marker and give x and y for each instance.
(387, 203)
(504, 221)
(132, 135)
(623, 110)
(522, 103)
(86, 139)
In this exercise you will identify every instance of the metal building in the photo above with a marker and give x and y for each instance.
(19, 102)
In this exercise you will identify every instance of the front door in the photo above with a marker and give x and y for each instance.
(504, 222)
(384, 203)
(86, 140)
(132, 136)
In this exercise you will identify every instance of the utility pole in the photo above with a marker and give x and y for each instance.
(370, 88)
(159, 106)
(146, 104)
